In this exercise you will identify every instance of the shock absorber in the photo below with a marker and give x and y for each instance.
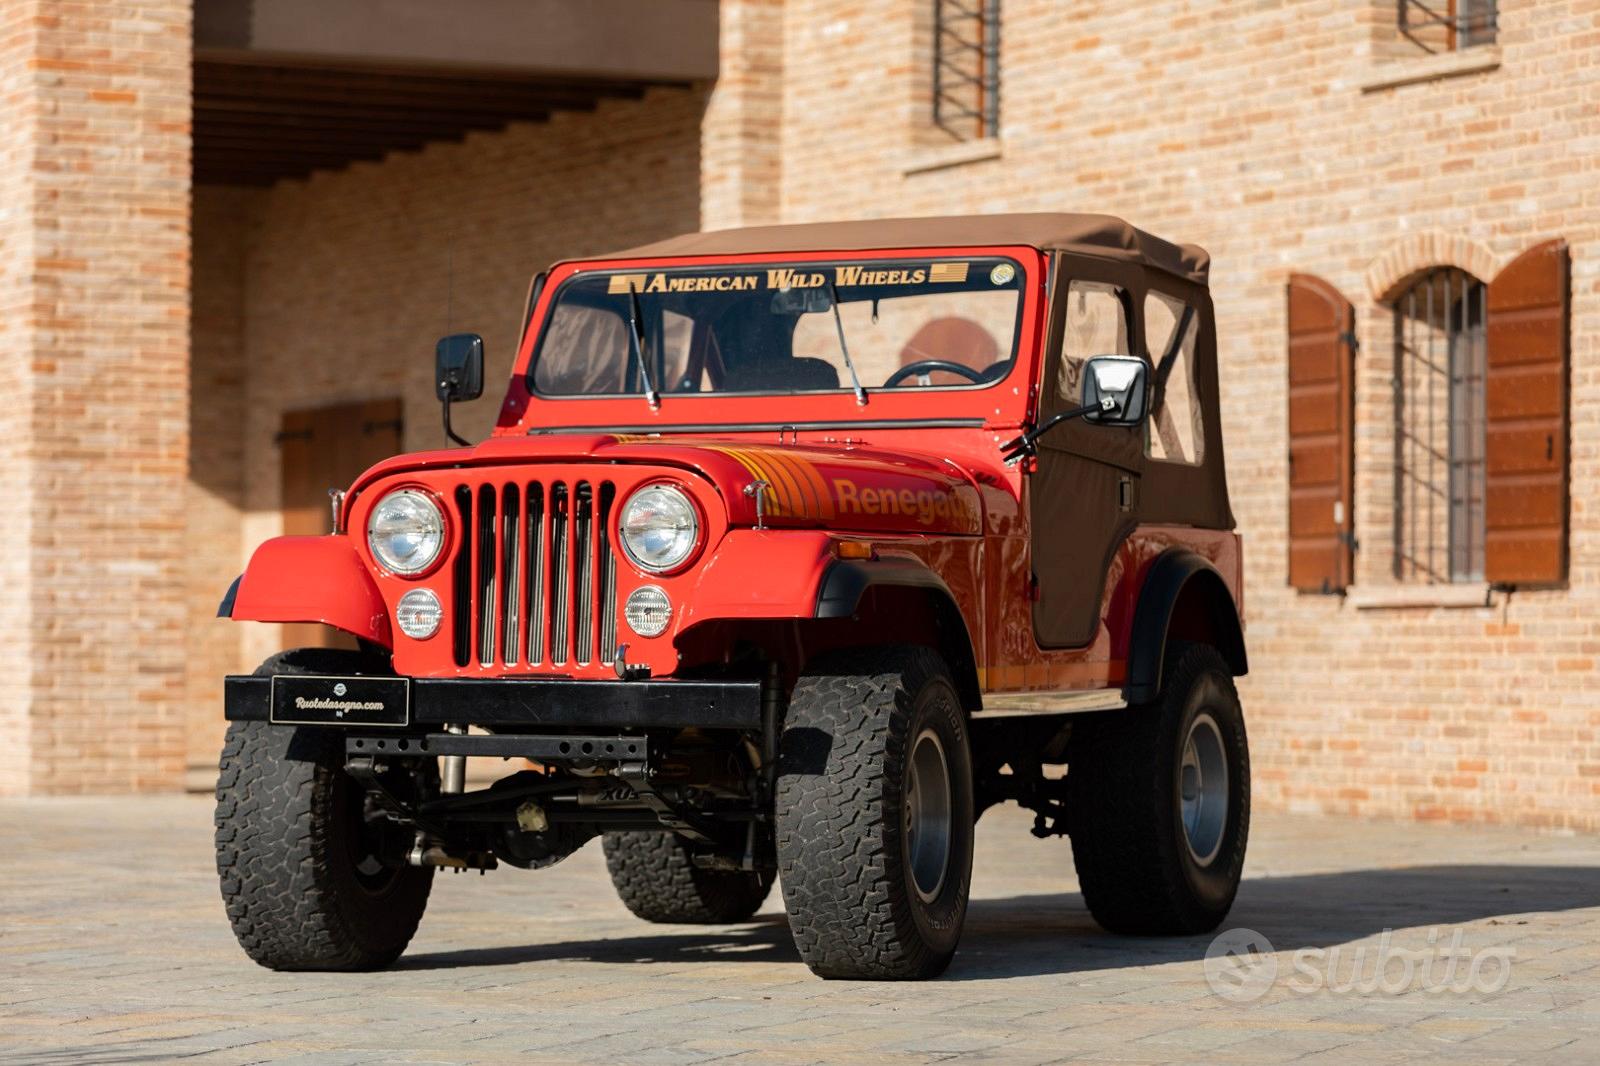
(453, 768)
(771, 713)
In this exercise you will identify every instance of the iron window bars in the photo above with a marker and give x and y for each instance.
(1448, 25)
(966, 68)
(1440, 363)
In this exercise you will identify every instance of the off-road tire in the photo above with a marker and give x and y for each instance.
(284, 812)
(843, 856)
(657, 879)
(1136, 872)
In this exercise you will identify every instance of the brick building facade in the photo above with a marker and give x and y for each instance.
(1288, 138)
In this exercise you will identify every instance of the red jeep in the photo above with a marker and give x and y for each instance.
(794, 549)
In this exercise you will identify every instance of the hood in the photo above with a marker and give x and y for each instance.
(831, 486)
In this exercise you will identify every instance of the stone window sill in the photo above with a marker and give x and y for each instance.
(944, 156)
(1400, 597)
(1398, 72)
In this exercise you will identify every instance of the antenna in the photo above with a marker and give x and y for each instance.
(450, 284)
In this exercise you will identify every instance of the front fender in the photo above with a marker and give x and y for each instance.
(310, 579)
(761, 573)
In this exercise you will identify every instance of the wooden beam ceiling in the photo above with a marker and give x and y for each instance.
(258, 122)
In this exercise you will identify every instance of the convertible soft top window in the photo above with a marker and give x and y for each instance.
(906, 323)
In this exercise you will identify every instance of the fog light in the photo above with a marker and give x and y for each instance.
(648, 611)
(418, 614)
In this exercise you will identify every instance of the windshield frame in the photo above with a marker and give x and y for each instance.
(1002, 401)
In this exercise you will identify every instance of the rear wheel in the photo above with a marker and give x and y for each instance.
(313, 874)
(658, 880)
(1160, 803)
(874, 815)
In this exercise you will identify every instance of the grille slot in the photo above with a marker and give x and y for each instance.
(535, 578)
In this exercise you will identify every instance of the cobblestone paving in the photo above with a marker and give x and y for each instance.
(114, 949)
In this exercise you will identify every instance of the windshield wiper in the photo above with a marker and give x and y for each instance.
(636, 335)
(844, 347)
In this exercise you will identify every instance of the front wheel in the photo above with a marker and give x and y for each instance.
(312, 873)
(1160, 802)
(656, 877)
(874, 815)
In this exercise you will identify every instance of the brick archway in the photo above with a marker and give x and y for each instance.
(1389, 274)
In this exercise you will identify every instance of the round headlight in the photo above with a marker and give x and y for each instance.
(406, 532)
(648, 611)
(418, 614)
(659, 527)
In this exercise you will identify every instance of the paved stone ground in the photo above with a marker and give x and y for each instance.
(114, 949)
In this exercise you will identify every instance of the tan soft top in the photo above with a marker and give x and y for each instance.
(1096, 235)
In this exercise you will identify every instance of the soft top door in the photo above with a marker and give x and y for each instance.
(1186, 493)
(1095, 484)
(1084, 497)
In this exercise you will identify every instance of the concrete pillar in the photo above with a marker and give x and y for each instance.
(740, 164)
(94, 318)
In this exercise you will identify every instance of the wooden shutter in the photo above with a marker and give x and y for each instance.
(1525, 476)
(1321, 430)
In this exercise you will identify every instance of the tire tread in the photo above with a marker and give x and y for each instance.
(274, 847)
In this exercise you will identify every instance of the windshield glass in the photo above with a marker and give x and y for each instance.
(765, 328)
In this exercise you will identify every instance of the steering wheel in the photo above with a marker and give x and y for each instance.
(930, 366)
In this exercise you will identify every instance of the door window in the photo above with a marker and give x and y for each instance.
(1175, 433)
(1097, 324)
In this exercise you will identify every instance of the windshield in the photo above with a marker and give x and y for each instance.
(764, 328)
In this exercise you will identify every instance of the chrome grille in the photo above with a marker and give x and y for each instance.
(535, 579)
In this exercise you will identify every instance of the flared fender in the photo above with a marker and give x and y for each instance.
(1186, 592)
(767, 574)
(761, 573)
(310, 579)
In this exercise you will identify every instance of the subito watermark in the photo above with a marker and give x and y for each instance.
(1242, 966)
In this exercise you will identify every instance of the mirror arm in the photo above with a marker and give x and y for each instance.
(448, 430)
(1014, 450)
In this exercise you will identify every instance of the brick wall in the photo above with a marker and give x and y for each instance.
(95, 161)
(740, 161)
(1264, 133)
(18, 113)
(214, 498)
(347, 282)
(1285, 136)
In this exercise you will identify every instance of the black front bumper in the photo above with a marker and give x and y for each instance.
(521, 703)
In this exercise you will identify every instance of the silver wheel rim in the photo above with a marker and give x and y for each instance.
(927, 815)
(1203, 789)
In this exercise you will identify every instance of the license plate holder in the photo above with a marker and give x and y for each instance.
(297, 699)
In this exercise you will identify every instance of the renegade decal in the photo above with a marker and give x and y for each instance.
(925, 506)
(795, 489)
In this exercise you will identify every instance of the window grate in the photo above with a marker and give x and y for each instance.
(1449, 25)
(1440, 363)
(966, 68)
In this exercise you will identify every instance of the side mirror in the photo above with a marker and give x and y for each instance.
(1116, 392)
(458, 367)
(457, 375)
(1116, 389)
